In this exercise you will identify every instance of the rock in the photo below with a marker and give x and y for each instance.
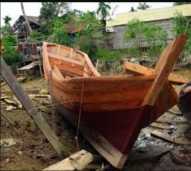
(166, 164)
(7, 142)
(20, 152)
(7, 160)
(149, 152)
(182, 155)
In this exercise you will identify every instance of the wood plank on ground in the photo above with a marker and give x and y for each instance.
(40, 121)
(76, 161)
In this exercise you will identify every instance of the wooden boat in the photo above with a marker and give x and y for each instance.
(109, 110)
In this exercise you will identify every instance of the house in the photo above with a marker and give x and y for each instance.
(20, 27)
(161, 17)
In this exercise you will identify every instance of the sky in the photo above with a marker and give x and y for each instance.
(13, 9)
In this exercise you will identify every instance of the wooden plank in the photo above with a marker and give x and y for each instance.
(167, 61)
(76, 161)
(68, 60)
(90, 65)
(67, 66)
(142, 70)
(33, 113)
(170, 138)
(29, 66)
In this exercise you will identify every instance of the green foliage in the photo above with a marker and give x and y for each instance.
(48, 12)
(86, 32)
(143, 6)
(59, 34)
(10, 55)
(9, 41)
(36, 36)
(107, 55)
(181, 3)
(90, 37)
(139, 33)
(182, 24)
(103, 11)
(7, 20)
(6, 29)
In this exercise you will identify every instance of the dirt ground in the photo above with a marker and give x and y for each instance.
(31, 151)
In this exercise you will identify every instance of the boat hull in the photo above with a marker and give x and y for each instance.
(111, 130)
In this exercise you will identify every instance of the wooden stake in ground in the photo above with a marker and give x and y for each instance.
(10, 79)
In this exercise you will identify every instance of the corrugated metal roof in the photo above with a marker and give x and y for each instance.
(150, 14)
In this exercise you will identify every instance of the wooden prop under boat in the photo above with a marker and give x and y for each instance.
(109, 110)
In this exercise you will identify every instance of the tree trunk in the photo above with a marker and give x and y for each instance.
(26, 19)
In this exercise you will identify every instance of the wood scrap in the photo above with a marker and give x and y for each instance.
(174, 112)
(9, 102)
(9, 108)
(29, 66)
(18, 102)
(170, 138)
(39, 96)
(4, 97)
(161, 125)
(14, 103)
(76, 161)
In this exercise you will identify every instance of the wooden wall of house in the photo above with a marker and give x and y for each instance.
(120, 43)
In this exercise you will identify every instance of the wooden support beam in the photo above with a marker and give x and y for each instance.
(163, 69)
(27, 104)
(77, 161)
(142, 70)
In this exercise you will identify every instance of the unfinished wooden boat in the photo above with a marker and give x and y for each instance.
(109, 110)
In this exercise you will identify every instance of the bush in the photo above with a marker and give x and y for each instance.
(182, 24)
(140, 33)
(10, 55)
(36, 36)
(59, 34)
(107, 55)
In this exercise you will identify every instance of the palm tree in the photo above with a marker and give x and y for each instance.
(103, 12)
(132, 9)
(7, 20)
(26, 19)
(143, 6)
